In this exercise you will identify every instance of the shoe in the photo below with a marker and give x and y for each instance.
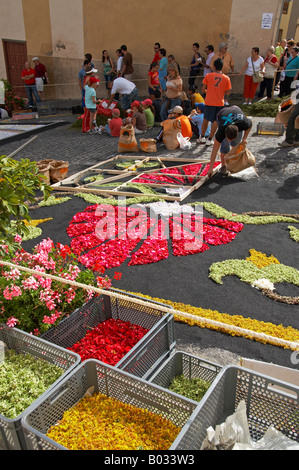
(226, 103)
(224, 171)
(245, 103)
(249, 103)
(209, 142)
(285, 144)
(201, 140)
(92, 131)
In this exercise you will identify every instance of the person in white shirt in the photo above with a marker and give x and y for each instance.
(210, 53)
(127, 89)
(119, 64)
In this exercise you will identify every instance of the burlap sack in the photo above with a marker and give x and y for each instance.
(239, 159)
(148, 145)
(283, 115)
(44, 169)
(58, 169)
(171, 129)
(127, 140)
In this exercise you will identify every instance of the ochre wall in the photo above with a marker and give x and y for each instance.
(175, 25)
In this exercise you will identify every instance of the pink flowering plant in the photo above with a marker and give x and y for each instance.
(35, 303)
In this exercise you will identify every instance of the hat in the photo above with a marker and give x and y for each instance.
(93, 80)
(91, 70)
(116, 112)
(222, 45)
(200, 106)
(35, 58)
(177, 110)
(135, 103)
(147, 102)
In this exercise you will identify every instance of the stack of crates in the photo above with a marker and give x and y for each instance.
(11, 431)
(147, 355)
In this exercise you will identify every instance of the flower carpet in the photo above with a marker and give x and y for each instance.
(243, 221)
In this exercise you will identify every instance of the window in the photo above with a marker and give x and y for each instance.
(285, 8)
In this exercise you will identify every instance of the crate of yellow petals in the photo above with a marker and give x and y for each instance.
(99, 407)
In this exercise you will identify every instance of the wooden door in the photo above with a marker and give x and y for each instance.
(15, 53)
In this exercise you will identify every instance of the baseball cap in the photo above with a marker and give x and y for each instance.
(147, 102)
(90, 70)
(177, 110)
(200, 106)
(93, 80)
(135, 103)
(35, 58)
(116, 112)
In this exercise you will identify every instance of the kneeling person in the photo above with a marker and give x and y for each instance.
(233, 128)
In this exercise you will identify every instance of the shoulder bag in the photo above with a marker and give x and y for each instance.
(257, 77)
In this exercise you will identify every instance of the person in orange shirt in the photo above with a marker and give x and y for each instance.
(177, 113)
(216, 86)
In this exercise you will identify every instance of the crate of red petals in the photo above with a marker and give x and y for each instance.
(119, 332)
(31, 367)
(100, 407)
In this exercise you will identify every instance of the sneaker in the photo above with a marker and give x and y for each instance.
(209, 142)
(201, 140)
(226, 103)
(250, 103)
(224, 171)
(245, 102)
(285, 144)
(92, 131)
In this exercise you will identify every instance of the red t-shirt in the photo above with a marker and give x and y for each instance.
(115, 126)
(30, 71)
(156, 58)
(217, 85)
(40, 70)
(154, 78)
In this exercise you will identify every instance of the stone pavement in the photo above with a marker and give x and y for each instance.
(82, 151)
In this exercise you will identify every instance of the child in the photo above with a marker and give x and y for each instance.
(153, 80)
(149, 112)
(195, 97)
(138, 119)
(196, 118)
(91, 102)
(114, 124)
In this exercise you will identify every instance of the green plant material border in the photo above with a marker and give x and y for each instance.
(222, 213)
(249, 273)
(294, 233)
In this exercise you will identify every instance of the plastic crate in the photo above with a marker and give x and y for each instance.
(109, 381)
(146, 355)
(182, 363)
(11, 433)
(270, 128)
(268, 401)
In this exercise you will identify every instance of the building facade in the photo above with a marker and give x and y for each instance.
(60, 32)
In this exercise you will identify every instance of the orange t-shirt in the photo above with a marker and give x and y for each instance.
(217, 85)
(186, 129)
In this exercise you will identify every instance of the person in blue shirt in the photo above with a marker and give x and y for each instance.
(163, 63)
(290, 70)
(91, 101)
(196, 118)
(81, 76)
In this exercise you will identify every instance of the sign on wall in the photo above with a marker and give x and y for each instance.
(267, 20)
